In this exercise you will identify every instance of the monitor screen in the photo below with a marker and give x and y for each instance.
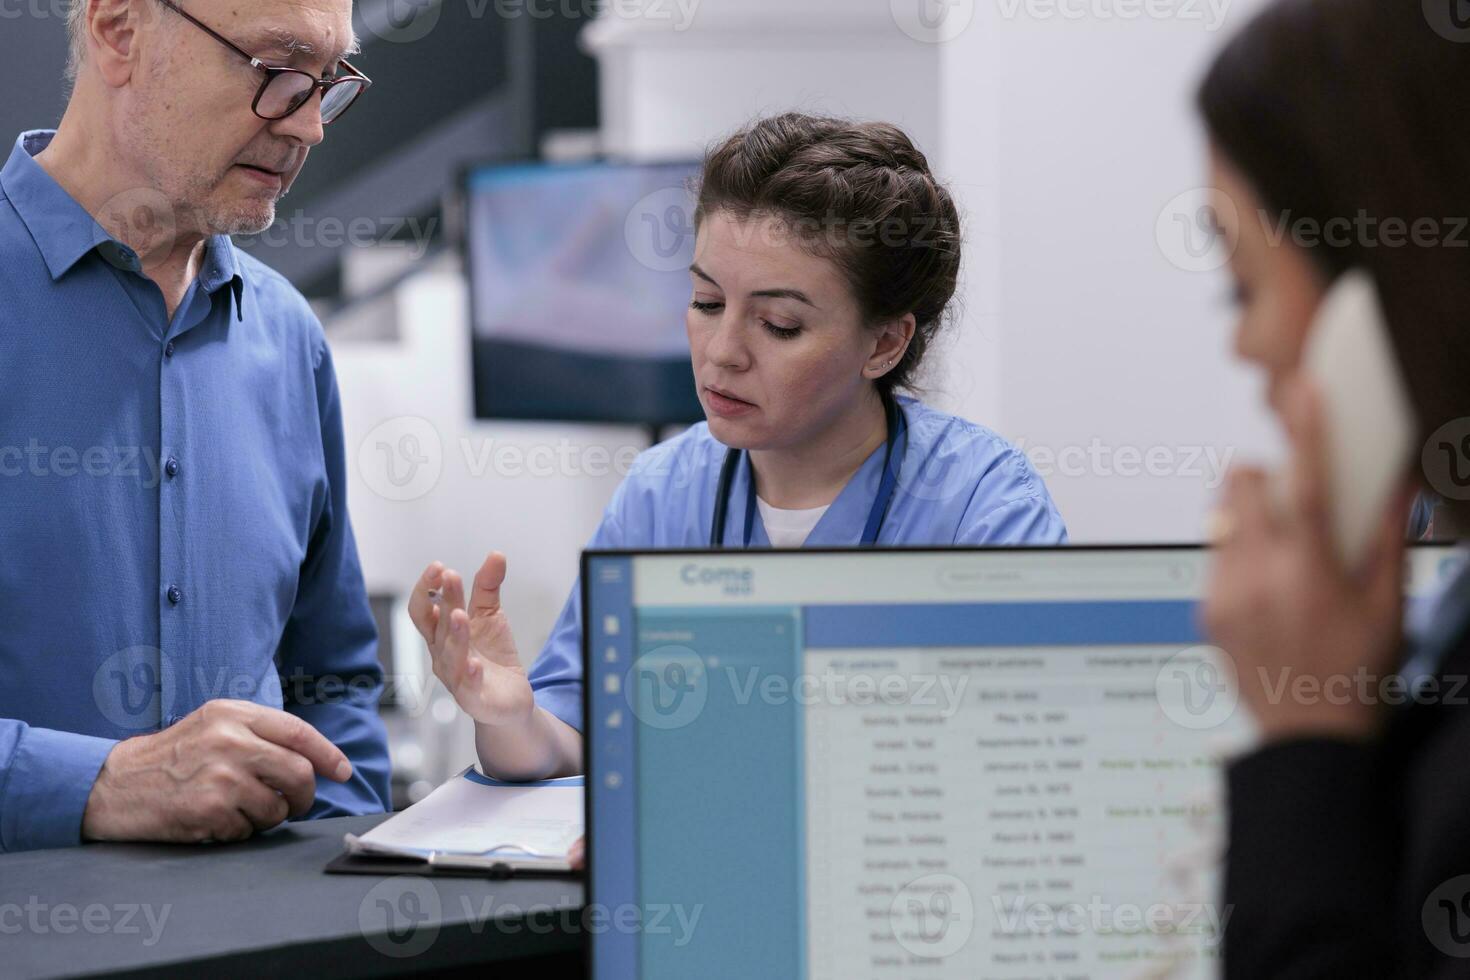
(960, 763)
(579, 283)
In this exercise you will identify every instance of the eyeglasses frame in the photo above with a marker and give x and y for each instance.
(272, 72)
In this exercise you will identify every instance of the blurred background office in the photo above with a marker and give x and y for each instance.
(495, 238)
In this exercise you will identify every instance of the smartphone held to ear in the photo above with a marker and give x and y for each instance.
(1367, 415)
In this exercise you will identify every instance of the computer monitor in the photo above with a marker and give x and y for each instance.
(947, 763)
(579, 286)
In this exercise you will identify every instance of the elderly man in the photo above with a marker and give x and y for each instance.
(186, 649)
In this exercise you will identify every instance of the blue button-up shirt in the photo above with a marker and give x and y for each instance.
(173, 514)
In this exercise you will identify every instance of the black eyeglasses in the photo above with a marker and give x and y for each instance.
(285, 90)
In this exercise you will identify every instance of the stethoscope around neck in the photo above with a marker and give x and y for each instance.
(897, 426)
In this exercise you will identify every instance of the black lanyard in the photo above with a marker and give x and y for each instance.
(897, 425)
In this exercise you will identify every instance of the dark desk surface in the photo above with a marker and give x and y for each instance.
(264, 907)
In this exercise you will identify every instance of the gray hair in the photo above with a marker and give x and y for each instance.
(76, 18)
(76, 30)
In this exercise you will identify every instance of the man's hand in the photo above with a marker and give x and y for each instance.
(473, 650)
(226, 771)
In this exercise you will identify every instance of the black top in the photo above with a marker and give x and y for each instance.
(1353, 859)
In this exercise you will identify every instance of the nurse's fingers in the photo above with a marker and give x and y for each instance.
(485, 599)
(421, 604)
(455, 649)
(451, 597)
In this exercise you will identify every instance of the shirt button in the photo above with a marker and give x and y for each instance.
(175, 595)
(171, 467)
(168, 349)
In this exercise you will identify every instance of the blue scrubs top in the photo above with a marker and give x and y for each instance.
(958, 484)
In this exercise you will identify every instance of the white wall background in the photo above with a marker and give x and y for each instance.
(1067, 130)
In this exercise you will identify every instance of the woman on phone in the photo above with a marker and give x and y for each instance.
(1339, 144)
(825, 258)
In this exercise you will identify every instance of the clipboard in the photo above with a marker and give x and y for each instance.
(474, 825)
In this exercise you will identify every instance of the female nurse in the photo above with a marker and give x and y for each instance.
(826, 254)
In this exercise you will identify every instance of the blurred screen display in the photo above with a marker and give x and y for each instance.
(579, 282)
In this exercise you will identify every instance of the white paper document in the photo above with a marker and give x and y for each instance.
(473, 821)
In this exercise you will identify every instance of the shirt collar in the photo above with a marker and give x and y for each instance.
(64, 232)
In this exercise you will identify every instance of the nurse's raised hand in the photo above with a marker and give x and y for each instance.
(473, 651)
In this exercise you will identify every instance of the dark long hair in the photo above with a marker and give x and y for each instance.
(1359, 110)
